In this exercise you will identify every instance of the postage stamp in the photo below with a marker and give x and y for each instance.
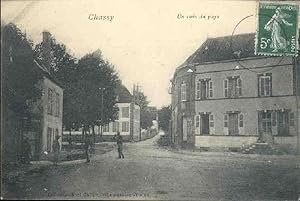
(277, 29)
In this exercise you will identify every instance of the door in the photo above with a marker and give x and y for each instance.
(233, 127)
(282, 123)
(205, 124)
(184, 129)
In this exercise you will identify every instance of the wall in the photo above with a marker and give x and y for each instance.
(224, 141)
(51, 121)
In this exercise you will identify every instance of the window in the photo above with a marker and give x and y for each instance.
(226, 88)
(57, 105)
(204, 89)
(266, 122)
(115, 126)
(226, 120)
(183, 92)
(125, 112)
(49, 138)
(292, 119)
(106, 128)
(265, 85)
(232, 87)
(241, 122)
(125, 126)
(211, 120)
(50, 101)
(197, 121)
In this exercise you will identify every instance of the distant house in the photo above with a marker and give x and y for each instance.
(49, 108)
(128, 122)
(225, 96)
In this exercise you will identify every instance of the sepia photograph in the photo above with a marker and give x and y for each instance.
(150, 100)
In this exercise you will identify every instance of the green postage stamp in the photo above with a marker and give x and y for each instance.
(277, 29)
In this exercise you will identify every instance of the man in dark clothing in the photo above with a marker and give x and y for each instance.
(120, 145)
(86, 148)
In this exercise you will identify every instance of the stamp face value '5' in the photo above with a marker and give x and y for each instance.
(277, 31)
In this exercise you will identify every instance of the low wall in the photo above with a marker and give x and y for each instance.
(224, 141)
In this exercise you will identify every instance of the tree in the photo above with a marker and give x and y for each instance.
(20, 78)
(64, 69)
(146, 116)
(95, 73)
(164, 117)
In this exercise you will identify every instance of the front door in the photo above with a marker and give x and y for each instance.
(205, 124)
(233, 128)
(184, 129)
(283, 123)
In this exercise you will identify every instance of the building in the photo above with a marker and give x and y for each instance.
(43, 130)
(225, 96)
(128, 121)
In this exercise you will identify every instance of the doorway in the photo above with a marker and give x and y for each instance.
(233, 127)
(283, 123)
(204, 124)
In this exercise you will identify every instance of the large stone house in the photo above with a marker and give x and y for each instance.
(225, 96)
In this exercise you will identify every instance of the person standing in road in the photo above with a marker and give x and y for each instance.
(56, 149)
(120, 145)
(86, 148)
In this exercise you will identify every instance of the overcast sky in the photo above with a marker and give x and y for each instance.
(145, 40)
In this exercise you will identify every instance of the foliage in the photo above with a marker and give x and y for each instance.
(164, 117)
(19, 72)
(146, 115)
(82, 82)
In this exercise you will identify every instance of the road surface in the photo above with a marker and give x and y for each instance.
(150, 172)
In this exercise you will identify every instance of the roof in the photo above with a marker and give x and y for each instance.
(47, 73)
(223, 48)
(124, 96)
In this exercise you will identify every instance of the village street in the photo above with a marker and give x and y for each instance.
(152, 172)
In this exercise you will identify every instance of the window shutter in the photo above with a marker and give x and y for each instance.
(226, 88)
(210, 89)
(239, 86)
(198, 90)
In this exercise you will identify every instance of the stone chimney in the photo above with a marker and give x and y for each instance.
(47, 57)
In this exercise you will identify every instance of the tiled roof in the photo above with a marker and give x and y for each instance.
(224, 48)
(124, 96)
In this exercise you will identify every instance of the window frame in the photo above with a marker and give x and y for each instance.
(264, 88)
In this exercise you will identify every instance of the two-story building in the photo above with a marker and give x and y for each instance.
(128, 121)
(47, 124)
(225, 96)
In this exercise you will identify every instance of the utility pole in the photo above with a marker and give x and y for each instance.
(102, 105)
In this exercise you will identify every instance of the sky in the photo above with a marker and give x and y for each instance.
(145, 40)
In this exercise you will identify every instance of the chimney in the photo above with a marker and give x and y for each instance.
(47, 57)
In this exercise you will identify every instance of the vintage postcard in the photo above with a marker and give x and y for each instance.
(150, 100)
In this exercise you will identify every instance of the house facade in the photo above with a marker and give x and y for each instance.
(225, 98)
(128, 121)
(48, 110)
